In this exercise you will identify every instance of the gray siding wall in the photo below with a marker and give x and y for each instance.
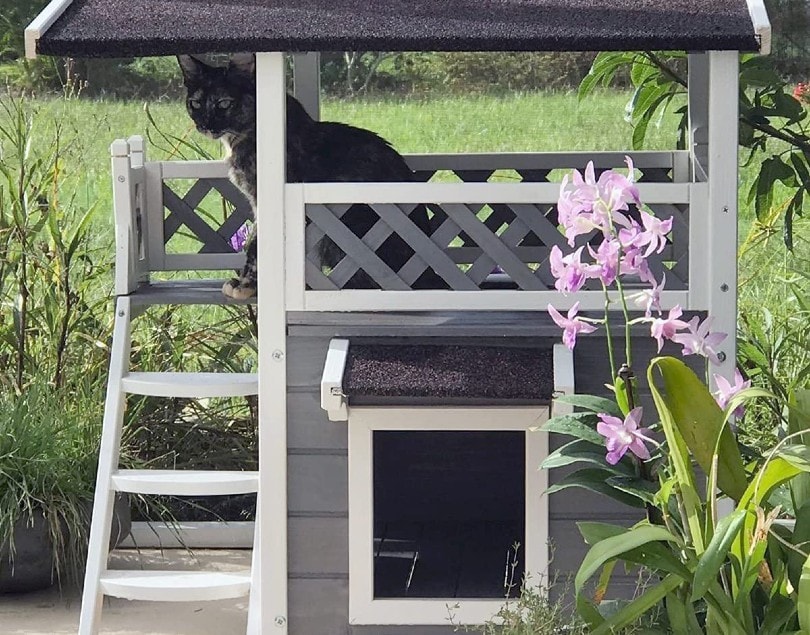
(318, 495)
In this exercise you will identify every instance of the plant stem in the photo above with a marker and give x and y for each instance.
(608, 335)
(628, 352)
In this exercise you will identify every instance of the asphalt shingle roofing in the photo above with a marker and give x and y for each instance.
(124, 28)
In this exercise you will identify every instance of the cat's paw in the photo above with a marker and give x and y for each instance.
(238, 289)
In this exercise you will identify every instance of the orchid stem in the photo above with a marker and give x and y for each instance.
(608, 335)
(628, 352)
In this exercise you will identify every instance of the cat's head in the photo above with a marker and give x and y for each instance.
(221, 100)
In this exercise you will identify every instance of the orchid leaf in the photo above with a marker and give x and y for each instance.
(800, 538)
(699, 421)
(803, 606)
(592, 403)
(778, 612)
(584, 452)
(594, 480)
(716, 552)
(581, 425)
(775, 472)
(615, 546)
(640, 606)
(643, 489)
(653, 555)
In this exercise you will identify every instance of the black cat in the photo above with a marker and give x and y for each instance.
(222, 103)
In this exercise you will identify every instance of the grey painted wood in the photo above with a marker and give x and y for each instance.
(305, 358)
(397, 219)
(318, 607)
(318, 547)
(492, 244)
(309, 428)
(317, 484)
(180, 210)
(184, 292)
(357, 250)
(373, 239)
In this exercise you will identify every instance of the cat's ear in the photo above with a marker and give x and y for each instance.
(192, 67)
(242, 63)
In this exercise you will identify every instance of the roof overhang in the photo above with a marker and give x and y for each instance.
(133, 28)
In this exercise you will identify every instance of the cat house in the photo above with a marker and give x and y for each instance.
(398, 481)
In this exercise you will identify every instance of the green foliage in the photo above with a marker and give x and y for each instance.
(772, 121)
(738, 574)
(55, 320)
(49, 440)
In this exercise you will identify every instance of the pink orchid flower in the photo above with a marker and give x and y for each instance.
(635, 264)
(240, 237)
(621, 436)
(650, 299)
(655, 234)
(607, 261)
(571, 325)
(570, 272)
(726, 390)
(666, 328)
(699, 341)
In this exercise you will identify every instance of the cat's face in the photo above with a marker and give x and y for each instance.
(221, 100)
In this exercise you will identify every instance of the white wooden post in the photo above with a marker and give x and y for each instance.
(270, 600)
(307, 82)
(722, 168)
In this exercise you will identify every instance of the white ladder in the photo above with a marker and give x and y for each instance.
(161, 586)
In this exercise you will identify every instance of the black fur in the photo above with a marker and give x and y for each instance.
(222, 103)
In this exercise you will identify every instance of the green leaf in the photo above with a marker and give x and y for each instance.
(585, 452)
(771, 475)
(716, 552)
(640, 606)
(639, 487)
(591, 403)
(699, 421)
(803, 606)
(778, 612)
(581, 425)
(800, 538)
(616, 546)
(594, 480)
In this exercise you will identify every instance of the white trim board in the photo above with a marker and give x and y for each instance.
(762, 25)
(36, 29)
(363, 421)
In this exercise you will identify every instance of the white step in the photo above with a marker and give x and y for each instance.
(175, 586)
(191, 385)
(185, 482)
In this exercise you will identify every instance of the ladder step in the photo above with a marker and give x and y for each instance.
(191, 385)
(175, 586)
(185, 482)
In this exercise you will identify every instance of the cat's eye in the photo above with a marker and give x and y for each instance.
(194, 104)
(224, 104)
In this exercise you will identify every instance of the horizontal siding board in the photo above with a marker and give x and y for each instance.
(308, 427)
(305, 358)
(318, 483)
(318, 547)
(318, 607)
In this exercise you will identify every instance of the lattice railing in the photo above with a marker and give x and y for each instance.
(492, 226)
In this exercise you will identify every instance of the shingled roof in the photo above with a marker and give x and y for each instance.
(123, 28)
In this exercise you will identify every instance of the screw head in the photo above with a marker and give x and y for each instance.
(277, 355)
(121, 179)
(721, 356)
(724, 287)
(280, 620)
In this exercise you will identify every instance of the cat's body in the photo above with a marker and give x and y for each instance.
(221, 102)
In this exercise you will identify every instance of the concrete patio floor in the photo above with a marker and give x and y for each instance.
(51, 613)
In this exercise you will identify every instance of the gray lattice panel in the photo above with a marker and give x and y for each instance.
(183, 214)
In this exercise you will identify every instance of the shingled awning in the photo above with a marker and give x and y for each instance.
(425, 374)
(123, 28)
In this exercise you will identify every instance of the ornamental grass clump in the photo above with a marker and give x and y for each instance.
(736, 573)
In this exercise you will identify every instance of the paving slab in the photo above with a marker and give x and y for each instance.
(51, 612)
